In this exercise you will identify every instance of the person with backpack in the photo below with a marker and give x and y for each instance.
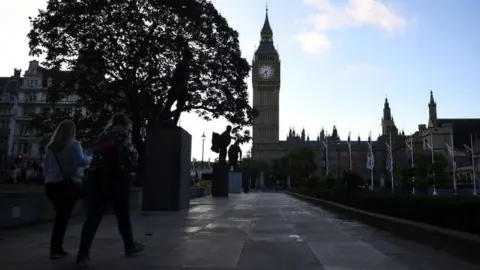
(108, 182)
(61, 170)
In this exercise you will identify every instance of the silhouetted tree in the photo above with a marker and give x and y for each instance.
(301, 164)
(121, 56)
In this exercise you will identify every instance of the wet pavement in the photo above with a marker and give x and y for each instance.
(268, 231)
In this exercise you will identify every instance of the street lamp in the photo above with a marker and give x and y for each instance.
(203, 146)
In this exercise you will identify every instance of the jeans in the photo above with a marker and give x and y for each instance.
(63, 205)
(99, 193)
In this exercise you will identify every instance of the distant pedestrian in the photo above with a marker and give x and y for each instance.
(108, 182)
(64, 156)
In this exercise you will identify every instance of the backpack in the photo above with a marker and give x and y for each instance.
(110, 154)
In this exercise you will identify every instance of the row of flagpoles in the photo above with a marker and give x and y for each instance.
(389, 159)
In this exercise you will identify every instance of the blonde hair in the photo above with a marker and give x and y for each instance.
(119, 119)
(64, 132)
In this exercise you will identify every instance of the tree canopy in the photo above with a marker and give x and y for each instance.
(121, 56)
(425, 173)
(299, 164)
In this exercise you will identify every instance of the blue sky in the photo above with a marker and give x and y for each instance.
(340, 59)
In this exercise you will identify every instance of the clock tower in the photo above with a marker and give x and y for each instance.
(266, 93)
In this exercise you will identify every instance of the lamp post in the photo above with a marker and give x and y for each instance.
(203, 147)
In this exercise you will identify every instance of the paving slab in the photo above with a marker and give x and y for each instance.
(267, 231)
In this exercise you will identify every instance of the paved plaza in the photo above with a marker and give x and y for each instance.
(267, 231)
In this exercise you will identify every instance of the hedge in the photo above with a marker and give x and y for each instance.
(458, 213)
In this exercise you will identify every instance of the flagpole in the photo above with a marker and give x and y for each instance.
(349, 151)
(431, 149)
(473, 167)
(326, 152)
(391, 162)
(432, 153)
(412, 163)
(454, 166)
(371, 157)
(325, 148)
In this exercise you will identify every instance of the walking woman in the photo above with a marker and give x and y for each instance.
(64, 160)
(108, 182)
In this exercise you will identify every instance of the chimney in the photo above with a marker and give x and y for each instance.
(17, 72)
(422, 127)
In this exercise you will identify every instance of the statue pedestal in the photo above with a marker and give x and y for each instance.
(166, 176)
(220, 180)
(261, 181)
(235, 182)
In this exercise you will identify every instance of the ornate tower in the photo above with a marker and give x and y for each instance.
(432, 111)
(266, 93)
(388, 125)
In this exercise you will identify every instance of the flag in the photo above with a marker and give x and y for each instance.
(410, 155)
(325, 157)
(370, 158)
(370, 161)
(389, 161)
(349, 151)
(451, 154)
(469, 153)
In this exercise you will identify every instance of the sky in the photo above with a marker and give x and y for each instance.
(340, 60)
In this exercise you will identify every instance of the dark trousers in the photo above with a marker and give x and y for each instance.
(98, 194)
(63, 205)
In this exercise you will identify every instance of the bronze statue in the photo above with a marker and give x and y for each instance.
(234, 153)
(178, 90)
(220, 142)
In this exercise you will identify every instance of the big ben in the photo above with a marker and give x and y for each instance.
(266, 93)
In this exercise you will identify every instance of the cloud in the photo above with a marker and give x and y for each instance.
(312, 42)
(356, 13)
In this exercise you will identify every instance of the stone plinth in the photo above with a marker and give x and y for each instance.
(220, 180)
(166, 177)
(235, 182)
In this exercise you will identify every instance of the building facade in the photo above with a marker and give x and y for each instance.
(21, 97)
(266, 81)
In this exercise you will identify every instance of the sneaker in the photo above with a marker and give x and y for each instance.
(58, 255)
(83, 261)
(135, 249)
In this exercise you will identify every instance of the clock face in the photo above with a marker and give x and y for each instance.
(265, 71)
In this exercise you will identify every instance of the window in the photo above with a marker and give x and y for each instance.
(25, 148)
(46, 111)
(27, 112)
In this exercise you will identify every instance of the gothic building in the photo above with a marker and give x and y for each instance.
(21, 97)
(267, 146)
(457, 133)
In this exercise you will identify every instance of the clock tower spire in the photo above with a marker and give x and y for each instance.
(266, 96)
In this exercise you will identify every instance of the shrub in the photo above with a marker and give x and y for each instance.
(205, 183)
(327, 182)
(458, 213)
(351, 182)
(312, 182)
